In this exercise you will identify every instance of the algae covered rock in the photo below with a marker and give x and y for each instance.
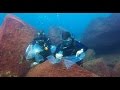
(97, 66)
(116, 70)
(89, 55)
(15, 35)
(46, 69)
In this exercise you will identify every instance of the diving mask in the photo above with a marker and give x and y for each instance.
(67, 42)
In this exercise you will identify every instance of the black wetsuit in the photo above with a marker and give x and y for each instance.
(43, 42)
(71, 49)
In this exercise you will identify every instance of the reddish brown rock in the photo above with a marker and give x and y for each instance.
(15, 35)
(0, 33)
(111, 59)
(116, 71)
(47, 69)
(90, 55)
(97, 66)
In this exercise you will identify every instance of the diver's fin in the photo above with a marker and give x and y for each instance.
(75, 59)
(72, 58)
(68, 63)
(53, 60)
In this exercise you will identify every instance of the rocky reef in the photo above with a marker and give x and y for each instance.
(102, 60)
(98, 66)
(47, 69)
(102, 34)
(116, 70)
(90, 55)
(15, 35)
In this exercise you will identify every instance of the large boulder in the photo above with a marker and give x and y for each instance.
(55, 35)
(116, 71)
(102, 34)
(47, 69)
(111, 59)
(97, 66)
(0, 34)
(89, 55)
(15, 35)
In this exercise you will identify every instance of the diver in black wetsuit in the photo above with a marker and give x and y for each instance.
(44, 42)
(70, 47)
(38, 49)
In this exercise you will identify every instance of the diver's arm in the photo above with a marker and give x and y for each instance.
(59, 52)
(81, 46)
(58, 48)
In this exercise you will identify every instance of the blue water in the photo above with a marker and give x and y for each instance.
(76, 23)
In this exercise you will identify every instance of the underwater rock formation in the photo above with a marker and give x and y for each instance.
(55, 34)
(90, 55)
(97, 66)
(0, 33)
(111, 59)
(103, 34)
(15, 35)
(116, 70)
(47, 69)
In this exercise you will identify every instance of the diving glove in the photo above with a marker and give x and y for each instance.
(79, 52)
(59, 55)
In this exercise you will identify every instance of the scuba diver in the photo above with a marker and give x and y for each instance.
(70, 49)
(39, 49)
